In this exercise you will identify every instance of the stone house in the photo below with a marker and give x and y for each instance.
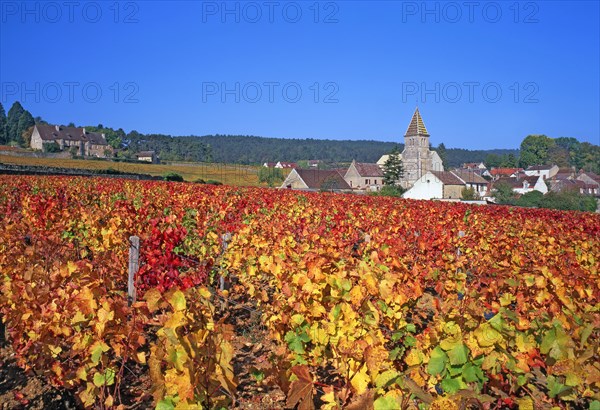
(545, 171)
(364, 176)
(147, 156)
(591, 181)
(316, 180)
(89, 144)
(473, 179)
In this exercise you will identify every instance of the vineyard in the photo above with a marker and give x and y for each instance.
(366, 302)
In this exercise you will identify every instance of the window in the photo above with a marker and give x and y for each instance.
(367, 182)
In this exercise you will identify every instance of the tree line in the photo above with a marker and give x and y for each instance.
(564, 152)
(16, 126)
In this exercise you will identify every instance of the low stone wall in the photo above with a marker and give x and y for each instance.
(36, 170)
(37, 154)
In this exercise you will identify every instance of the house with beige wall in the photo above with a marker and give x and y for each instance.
(90, 144)
(364, 176)
(316, 180)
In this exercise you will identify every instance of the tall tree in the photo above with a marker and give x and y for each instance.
(441, 150)
(3, 139)
(534, 150)
(559, 156)
(503, 193)
(508, 161)
(393, 169)
(12, 121)
(26, 122)
(588, 157)
(492, 160)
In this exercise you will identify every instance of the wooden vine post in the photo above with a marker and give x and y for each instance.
(225, 238)
(461, 234)
(134, 264)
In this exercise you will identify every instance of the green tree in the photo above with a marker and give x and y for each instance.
(40, 120)
(533, 199)
(270, 175)
(569, 201)
(441, 150)
(25, 129)
(559, 156)
(173, 176)
(12, 122)
(492, 161)
(393, 169)
(504, 193)
(303, 163)
(588, 157)
(3, 138)
(389, 190)
(51, 146)
(469, 194)
(535, 149)
(508, 161)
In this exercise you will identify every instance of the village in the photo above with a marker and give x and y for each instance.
(424, 176)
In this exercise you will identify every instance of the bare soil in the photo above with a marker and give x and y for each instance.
(21, 389)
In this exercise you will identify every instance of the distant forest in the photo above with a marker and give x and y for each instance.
(16, 128)
(257, 150)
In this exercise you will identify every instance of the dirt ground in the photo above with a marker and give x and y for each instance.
(25, 390)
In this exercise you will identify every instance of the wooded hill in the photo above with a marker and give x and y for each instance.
(17, 125)
(257, 150)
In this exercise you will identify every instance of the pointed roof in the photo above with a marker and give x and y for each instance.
(416, 126)
(322, 178)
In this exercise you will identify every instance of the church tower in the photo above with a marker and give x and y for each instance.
(417, 159)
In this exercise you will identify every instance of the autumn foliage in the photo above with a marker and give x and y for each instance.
(373, 302)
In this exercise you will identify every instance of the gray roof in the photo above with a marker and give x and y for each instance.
(470, 177)
(447, 178)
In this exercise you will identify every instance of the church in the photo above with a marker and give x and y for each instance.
(417, 158)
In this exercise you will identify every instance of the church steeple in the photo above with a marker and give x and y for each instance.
(416, 126)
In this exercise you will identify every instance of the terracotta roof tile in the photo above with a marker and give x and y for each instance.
(505, 171)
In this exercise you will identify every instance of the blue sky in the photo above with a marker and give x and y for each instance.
(484, 74)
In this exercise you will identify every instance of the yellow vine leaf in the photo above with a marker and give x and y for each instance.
(525, 403)
(487, 336)
(359, 379)
(153, 298)
(177, 300)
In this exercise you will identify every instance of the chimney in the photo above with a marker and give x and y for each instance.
(57, 127)
(84, 131)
